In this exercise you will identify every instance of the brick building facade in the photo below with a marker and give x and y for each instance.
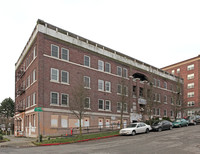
(54, 61)
(189, 71)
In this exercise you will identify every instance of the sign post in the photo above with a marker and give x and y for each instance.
(38, 109)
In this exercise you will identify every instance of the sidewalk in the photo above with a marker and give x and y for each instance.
(17, 142)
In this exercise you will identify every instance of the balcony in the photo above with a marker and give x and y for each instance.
(20, 108)
(21, 90)
(142, 101)
(20, 73)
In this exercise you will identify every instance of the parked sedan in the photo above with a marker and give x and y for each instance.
(180, 123)
(135, 128)
(162, 125)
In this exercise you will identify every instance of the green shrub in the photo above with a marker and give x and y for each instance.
(1, 137)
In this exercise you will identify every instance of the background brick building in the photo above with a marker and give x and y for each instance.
(54, 61)
(189, 71)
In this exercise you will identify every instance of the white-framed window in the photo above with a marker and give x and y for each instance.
(65, 54)
(100, 85)
(54, 98)
(65, 77)
(158, 83)
(154, 97)
(29, 101)
(165, 84)
(86, 61)
(190, 94)
(119, 71)
(190, 85)
(34, 75)
(125, 107)
(107, 105)
(190, 76)
(119, 105)
(54, 51)
(178, 70)
(34, 98)
(125, 73)
(107, 86)
(158, 97)
(54, 74)
(165, 112)
(119, 89)
(86, 81)
(190, 103)
(107, 67)
(65, 99)
(125, 91)
(190, 113)
(171, 113)
(87, 103)
(190, 67)
(29, 81)
(172, 100)
(158, 111)
(165, 99)
(154, 81)
(33, 120)
(100, 65)
(173, 71)
(34, 53)
(64, 121)
(101, 104)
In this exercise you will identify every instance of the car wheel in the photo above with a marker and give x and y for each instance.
(170, 127)
(147, 130)
(133, 133)
(159, 129)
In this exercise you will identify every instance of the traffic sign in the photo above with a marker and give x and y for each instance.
(38, 109)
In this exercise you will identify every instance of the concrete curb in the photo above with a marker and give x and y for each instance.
(78, 141)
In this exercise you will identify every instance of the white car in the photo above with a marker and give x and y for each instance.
(135, 128)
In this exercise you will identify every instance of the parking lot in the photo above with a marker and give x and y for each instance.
(185, 140)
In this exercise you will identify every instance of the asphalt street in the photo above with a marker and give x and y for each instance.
(184, 140)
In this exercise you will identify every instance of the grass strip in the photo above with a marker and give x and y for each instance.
(73, 139)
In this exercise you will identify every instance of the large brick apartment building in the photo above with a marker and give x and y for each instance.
(189, 70)
(54, 61)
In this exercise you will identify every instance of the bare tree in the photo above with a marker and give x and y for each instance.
(77, 105)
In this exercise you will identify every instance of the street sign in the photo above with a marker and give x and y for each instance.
(38, 109)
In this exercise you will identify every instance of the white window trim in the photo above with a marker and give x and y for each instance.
(84, 81)
(51, 99)
(67, 54)
(102, 85)
(190, 67)
(108, 86)
(58, 50)
(190, 85)
(101, 63)
(109, 67)
(84, 61)
(89, 104)
(67, 100)
(67, 77)
(120, 88)
(57, 75)
(109, 105)
(121, 71)
(126, 75)
(103, 105)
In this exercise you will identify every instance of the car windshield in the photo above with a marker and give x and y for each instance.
(177, 121)
(131, 125)
(157, 122)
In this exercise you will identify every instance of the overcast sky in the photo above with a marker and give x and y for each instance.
(157, 32)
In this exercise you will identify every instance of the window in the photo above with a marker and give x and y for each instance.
(107, 67)
(191, 113)
(65, 99)
(65, 54)
(101, 102)
(191, 103)
(87, 103)
(141, 92)
(158, 111)
(119, 89)
(87, 61)
(54, 98)
(34, 53)
(100, 85)
(65, 77)
(125, 73)
(154, 111)
(125, 91)
(154, 97)
(107, 105)
(172, 100)
(190, 85)
(172, 71)
(54, 74)
(178, 70)
(54, 51)
(134, 90)
(28, 101)
(100, 65)
(190, 76)
(190, 94)
(125, 107)
(154, 82)
(158, 83)
(34, 75)
(165, 99)
(119, 71)
(158, 97)
(29, 81)
(86, 82)
(165, 85)
(119, 105)
(34, 96)
(107, 86)
(171, 113)
(190, 67)
(33, 120)
(64, 120)
(165, 113)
